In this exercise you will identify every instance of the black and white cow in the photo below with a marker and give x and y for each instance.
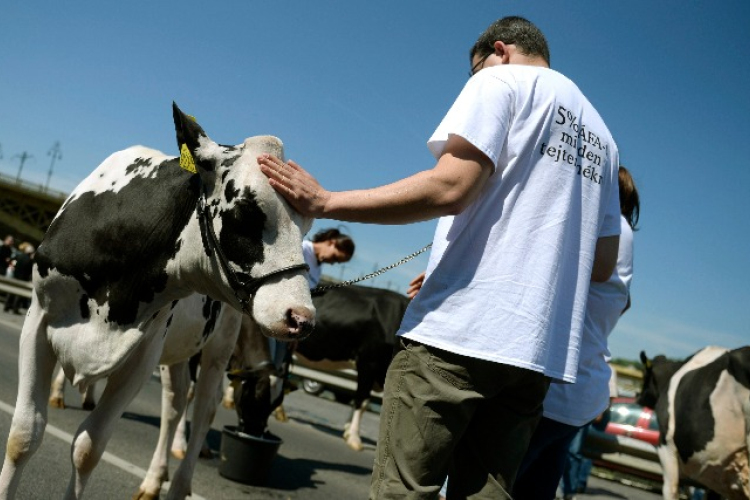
(703, 408)
(355, 327)
(135, 236)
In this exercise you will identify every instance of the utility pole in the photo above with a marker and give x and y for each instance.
(23, 156)
(56, 154)
(1, 151)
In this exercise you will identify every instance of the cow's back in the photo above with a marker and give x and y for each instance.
(116, 233)
(347, 318)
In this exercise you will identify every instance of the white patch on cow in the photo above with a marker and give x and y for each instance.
(106, 345)
(108, 177)
(701, 358)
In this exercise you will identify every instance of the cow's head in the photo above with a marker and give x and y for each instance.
(250, 237)
(656, 375)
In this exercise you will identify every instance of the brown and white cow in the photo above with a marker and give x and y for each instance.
(703, 408)
(136, 235)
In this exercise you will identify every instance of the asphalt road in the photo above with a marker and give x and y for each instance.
(313, 463)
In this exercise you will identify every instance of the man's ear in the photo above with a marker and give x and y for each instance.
(503, 51)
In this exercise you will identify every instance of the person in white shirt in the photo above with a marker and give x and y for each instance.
(570, 408)
(328, 246)
(526, 187)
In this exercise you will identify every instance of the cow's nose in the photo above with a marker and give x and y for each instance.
(300, 322)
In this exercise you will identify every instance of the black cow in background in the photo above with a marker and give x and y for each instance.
(355, 327)
(355, 323)
(703, 408)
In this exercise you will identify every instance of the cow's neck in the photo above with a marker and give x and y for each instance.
(192, 270)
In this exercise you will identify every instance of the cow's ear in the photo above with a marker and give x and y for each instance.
(644, 360)
(188, 135)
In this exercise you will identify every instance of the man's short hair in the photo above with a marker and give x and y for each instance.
(515, 30)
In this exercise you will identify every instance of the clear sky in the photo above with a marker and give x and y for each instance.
(354, 89)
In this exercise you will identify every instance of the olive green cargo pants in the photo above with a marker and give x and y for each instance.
(444, 413)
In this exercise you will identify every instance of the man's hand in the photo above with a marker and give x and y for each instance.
(415, 285)
(297, 186)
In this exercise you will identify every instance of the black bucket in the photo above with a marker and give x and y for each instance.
(245, 458)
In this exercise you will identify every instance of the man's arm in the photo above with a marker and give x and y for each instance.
(605, 258)
(447, 189)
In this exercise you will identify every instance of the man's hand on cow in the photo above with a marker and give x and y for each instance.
(295, 184)
(415, 285)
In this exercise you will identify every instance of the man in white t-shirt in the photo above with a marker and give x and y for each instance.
(526, 188)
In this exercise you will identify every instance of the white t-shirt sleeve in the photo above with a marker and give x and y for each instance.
(313, 275)
(481, 114)
(611, 222)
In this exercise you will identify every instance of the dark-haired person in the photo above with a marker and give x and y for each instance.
(526, 187)
(7, 251)
(328, 246)
(570, 408)
(22, 266)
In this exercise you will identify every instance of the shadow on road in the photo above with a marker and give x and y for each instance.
(297, 473)
(601, 493)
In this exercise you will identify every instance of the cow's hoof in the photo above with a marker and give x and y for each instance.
(143, 495)
(89, 406)
(206, 453)
(178, 454)
(228, 404)
(355, 445)
(280, 415)
(56, 402)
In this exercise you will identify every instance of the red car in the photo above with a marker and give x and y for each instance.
(626, 418)
(629, 442)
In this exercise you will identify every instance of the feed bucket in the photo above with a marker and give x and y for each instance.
(245, 458)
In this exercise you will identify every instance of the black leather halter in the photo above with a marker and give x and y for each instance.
(243, 290)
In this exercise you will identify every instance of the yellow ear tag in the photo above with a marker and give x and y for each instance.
(186, 159)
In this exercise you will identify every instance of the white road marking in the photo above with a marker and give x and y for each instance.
(107, 457)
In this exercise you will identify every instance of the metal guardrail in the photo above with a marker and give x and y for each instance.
(32, 186)
(345, 379)
(16, 287)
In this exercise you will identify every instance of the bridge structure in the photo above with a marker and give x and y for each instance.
(27, 209)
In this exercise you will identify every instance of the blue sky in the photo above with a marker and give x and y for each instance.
(354, 89)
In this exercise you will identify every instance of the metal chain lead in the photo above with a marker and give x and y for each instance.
(373, 274)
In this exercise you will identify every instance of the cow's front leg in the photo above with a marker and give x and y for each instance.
(36, 363)
(122, 386)
(175, 380)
